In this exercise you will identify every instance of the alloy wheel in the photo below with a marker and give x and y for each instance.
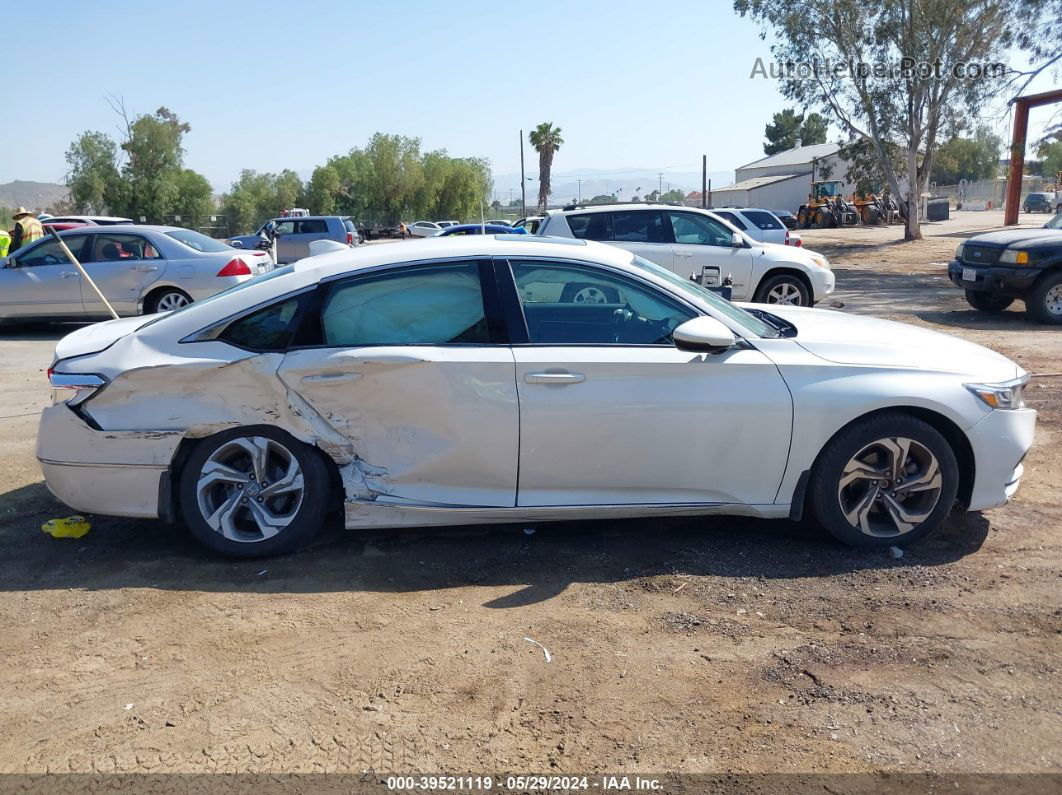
(784, 293)
(170, 301)
(590, 295)
(250, 488)
(890, 487)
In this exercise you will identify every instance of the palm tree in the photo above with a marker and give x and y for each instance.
(546, 139)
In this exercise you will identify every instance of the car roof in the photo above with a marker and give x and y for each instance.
(307, 217)
(112, 229)
(597, 208)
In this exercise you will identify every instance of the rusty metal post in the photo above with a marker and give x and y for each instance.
(1017, 162)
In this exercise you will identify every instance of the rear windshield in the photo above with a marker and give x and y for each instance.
(199, 242)
(763, 220)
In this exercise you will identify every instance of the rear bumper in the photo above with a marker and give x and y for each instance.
(1000, 441)
(115, 473)
(1014, 282)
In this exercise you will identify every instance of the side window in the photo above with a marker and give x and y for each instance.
(429, 305)
(49, 253)
(268, 329)
(763, 220)
(590, 226)
(580, 304)
(700, 230)
(285, 227)
(313, 227)
(731, 217)
(638, 226)
(115, 248)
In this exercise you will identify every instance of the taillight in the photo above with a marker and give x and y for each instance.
(235, 267)
(799, 243)
(350, 238)
(787, 238)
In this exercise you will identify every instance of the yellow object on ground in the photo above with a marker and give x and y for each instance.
(70, 527)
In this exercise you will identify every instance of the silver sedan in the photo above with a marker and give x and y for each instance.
(140, 269)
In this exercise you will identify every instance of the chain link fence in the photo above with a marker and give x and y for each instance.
(989, 194)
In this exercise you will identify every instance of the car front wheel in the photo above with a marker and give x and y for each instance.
(1044, 301)
(987, 302)
(888, 480)
(783, 289)
(254, 492)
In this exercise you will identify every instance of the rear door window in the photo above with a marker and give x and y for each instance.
(638, 226)
(314, 226)
(117, 248)
(763, 220)
(590, 226)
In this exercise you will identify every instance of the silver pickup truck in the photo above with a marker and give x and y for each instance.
(294, 235)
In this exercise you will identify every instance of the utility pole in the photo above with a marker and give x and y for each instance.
(523, 181)
(659, 183)
(580, 199)
(510, 197)
(704, 182)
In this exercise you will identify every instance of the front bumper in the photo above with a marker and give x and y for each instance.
(115, 473)
(1011, 281)
(1000, 441)
(822, 283)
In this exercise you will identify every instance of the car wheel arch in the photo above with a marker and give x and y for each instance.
(156, 289)
(787, 270)
(945, 426)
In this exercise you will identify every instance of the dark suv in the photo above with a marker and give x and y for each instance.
(1040, 203)
(998, 267)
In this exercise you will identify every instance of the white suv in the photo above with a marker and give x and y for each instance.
(701, 245)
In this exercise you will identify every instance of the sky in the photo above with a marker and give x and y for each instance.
(269, 85)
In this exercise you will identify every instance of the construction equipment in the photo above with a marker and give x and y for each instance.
(875, 208)
(826, 207)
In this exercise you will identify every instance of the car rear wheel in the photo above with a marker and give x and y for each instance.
(783, 289)
(888, 480)
(254, 492)
(1044, 301)
(167, 301)
(987, 302)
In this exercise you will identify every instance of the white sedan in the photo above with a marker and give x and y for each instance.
(486, 379)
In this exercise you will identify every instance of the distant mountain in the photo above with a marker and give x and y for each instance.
(632, 181)
(31, 195)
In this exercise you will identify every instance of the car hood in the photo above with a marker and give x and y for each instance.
(859, 340)
(1009, 237)
(99, 336)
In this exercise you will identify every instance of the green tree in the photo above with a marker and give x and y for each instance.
(1050, 154)
(256, 197)
(878, 100)
(547, 140)
(672, 196)
(787, 127)
(968, 158)
(93, 178)
(154, 159)
(195, 196)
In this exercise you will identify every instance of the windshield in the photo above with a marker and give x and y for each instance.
(717, 302)
(198, 241)
(263, 277)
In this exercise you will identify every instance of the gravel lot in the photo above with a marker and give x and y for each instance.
(680, 645)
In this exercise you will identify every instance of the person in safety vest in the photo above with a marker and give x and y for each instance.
(27, 229)
(5, 242)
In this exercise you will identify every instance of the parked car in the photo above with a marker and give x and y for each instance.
(445, 224)
(600, 386)
(698, 243)
(996, 268)
(786, 218)
(140, 269)
(294, 235)
(1055, 223)
(1041, 203)
(424, 229)
(530, 223)
(96, 220)
(479, 229)
(500, 222)
(761, 225)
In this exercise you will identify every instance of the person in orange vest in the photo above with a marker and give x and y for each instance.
(27, 229)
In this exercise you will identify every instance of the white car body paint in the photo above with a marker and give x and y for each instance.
(436, 435)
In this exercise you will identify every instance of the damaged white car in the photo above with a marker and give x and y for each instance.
(502, 379)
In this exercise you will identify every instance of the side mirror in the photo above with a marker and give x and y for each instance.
(737, 241)
(703, 334)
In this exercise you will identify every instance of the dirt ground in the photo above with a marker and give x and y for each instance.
(680, 645)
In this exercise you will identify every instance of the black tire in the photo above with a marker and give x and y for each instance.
(1025, 209)
(763, 292)
(166, 299)
(824, 500)
(1043, 302)
(987, 302)
(302, 523)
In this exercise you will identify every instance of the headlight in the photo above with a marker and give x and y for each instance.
(820, 261)
(1014, 256)
(73, 388)
(1004, 395)
(958, 251)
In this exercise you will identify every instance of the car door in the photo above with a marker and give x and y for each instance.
(611, 413)
(123, 266)
(419, 382)
(287, 246)
(307, 230)
(702, 242)
(39, 281)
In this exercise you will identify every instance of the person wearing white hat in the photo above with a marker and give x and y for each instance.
(27, 229)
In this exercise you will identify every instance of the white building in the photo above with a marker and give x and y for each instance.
(782, 181)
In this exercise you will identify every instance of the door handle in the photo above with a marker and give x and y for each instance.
(331, 378)
(554, 378)
(683, 253)
(69, 274)
(146, 268)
